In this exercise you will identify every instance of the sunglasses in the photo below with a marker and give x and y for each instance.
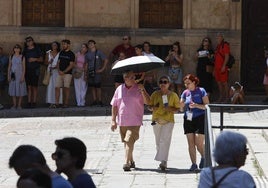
(129, 77)
(206, 40)
(163, 82)
(246, 150)
(29, 40)
(125, 38)
(57, 155)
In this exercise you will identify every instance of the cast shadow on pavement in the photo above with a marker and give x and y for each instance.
(169, 170)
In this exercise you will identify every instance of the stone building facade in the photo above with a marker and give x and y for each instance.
(106, 21)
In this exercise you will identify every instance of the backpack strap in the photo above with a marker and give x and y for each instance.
(216, 184)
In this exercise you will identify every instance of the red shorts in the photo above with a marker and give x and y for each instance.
(220, 76)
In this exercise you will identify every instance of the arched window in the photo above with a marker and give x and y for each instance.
(160, 14)
(43, 13)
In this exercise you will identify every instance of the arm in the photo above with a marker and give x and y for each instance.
(200, 106)
(105, 62)
(23, 70)
(9, 69)
(114, 115)
(145, 95)
(179, 58)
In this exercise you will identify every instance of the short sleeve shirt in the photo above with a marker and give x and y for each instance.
(160, 113)
(90, 59)
(32, 53)
(129, 52)
(65, 57)
(195, 96)
(220, 52)
(130, 105)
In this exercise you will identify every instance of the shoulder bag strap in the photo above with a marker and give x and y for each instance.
(215, 185)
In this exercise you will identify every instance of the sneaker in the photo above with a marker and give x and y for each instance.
(126, 167)
(100, 103)
(13, 108)
(132, 164)
(193, 167)
(1, 107)
(201, 164)
(163, 165)
(19, 108)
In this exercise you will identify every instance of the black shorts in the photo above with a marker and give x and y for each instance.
(197, 125)
(94, 84)
(31, 77)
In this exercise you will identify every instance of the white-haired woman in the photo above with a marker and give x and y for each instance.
(230, 153)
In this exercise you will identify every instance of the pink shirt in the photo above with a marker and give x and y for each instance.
(130, 104)
(80, 60)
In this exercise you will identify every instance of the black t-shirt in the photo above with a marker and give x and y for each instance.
(32, 53)
(65, 58)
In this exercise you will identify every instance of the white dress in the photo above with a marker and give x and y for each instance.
(50, 97)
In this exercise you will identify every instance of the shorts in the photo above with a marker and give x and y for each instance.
(129, 133)
(175, 75)
(95, 81)
(63, 80)
(265, 80)
(219, 76)
(32, 77)
(197, 125)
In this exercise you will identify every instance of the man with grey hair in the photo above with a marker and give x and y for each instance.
(230, 153)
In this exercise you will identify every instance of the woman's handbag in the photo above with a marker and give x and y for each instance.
(77, 73)
(46, 77)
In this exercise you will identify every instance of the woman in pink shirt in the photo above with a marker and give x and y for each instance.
(80, 84)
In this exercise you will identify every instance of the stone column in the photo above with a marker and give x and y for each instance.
(187, 14)
(69, 13)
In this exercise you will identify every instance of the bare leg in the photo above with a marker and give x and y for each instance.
(19, 101)
(191, 147)
(199, 140)
(29, 94)
(98, 90)
(66, 91)
(57, 95)
(94, 94)
(34, 89)
(14, 102)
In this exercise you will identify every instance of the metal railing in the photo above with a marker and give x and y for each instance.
(209, 139)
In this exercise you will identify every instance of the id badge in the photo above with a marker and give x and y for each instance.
(165, 100)
(189, 115)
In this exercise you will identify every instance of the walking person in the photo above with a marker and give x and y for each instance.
(96, 62)
(33, 58)
(16, 77)
(64, 66)
(164, 103)
(175, 59)
(193, 101)
(80, 78)
(230, 153)
(52, 57)
(127, 112)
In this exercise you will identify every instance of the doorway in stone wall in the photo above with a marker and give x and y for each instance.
(254, 40)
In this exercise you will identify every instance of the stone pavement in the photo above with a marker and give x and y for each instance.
(105, 150)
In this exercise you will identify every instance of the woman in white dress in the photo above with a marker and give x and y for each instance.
(51, 60)
(80, 84)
